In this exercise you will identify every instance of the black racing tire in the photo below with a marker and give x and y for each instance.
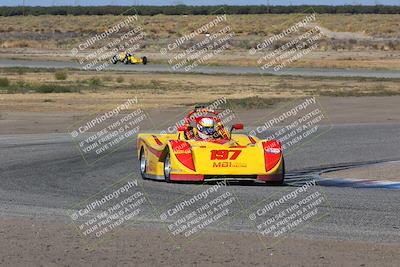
(142, 164)
(114, 60)
(126, 61)
(167, 167)
(282, 181)
(144, 59)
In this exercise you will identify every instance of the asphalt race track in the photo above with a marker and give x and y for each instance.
(43, 175)
(314, 72)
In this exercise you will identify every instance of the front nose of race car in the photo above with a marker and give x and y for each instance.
(214, 161)
(236, 160)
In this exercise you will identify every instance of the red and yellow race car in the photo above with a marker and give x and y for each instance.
(203, 150)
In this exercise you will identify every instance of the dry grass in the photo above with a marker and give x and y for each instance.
(169, 90)
(64, 31)
(52, 37)
(376, 25)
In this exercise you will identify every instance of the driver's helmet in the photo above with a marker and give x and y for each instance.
(205, 127)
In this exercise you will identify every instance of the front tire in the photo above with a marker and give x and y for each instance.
(126, 61)
(144, 60)
(282, 180)
(143, 164)
(167, 167)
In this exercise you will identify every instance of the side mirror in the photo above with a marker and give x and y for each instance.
(182, 128)
(238, 126)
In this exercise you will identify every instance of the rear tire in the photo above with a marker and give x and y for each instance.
(114, 60)
(167, 167)
(144, 59)
(282, 181)
(143, 164)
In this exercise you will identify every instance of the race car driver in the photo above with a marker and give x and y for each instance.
(206, 128)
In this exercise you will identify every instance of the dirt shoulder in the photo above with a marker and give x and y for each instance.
(40, 116)
(39, 243)
(376, 59)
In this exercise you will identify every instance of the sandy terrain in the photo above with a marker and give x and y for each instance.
(14, 119)
(350, 41)
(386, 60)
(35, 242)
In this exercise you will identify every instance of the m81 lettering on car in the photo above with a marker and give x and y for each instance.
(229, 164)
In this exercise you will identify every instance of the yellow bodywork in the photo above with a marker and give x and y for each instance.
(244, 157)
(135, 60)
(129, 58)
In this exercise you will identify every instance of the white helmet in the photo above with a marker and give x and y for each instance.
(206, 127)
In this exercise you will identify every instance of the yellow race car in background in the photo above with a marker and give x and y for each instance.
(182, 156)
(127, 58)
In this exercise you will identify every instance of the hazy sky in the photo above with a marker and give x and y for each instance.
(194, 2)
